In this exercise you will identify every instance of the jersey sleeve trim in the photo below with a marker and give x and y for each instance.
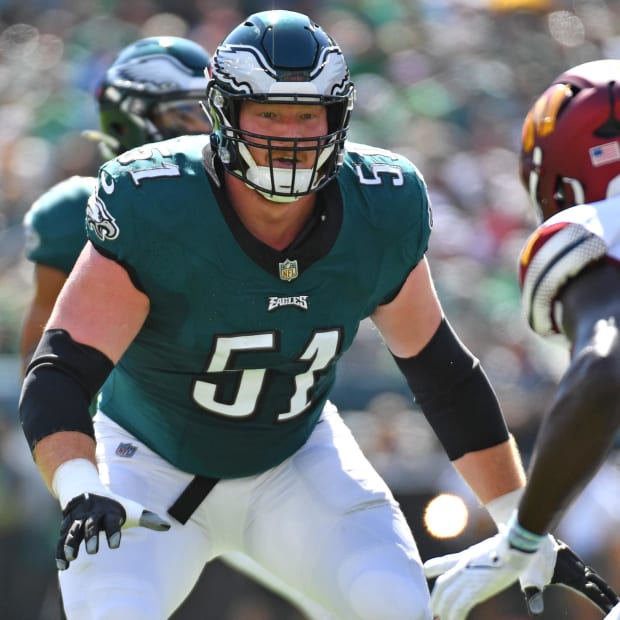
(131, 272)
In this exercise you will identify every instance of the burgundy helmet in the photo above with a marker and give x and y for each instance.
(570, 142)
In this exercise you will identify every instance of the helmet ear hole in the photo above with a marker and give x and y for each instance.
(560, 194)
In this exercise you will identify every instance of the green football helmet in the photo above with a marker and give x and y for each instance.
(152, 92)
(279, 57)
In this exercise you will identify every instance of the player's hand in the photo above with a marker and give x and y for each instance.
(458, 588)
(474, 575)
(557, 564)
(86, 515)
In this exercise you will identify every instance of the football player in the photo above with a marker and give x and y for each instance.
(570, 281)
(151, 92)
(222, 281)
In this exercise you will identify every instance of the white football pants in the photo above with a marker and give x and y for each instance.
(323, 528)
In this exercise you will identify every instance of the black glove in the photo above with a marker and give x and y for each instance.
(571, 572)
(88, 514)
(83, 518)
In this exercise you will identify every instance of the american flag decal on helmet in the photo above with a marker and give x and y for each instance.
(604, 153)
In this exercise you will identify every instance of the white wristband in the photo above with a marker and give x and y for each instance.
(75, 477)
(502, 507)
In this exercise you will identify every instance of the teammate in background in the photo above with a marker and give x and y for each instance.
(570, 280)
(151, 92)
(221, 284)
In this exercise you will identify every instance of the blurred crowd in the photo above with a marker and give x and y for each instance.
(445, 82)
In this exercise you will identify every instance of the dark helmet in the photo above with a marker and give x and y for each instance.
(152, 92)
(570, 144)
(279, 57)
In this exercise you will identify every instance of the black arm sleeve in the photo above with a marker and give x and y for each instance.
(61, 381)
(454, 394)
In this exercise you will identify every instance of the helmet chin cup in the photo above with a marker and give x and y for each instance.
(260, 179)
(282, 184)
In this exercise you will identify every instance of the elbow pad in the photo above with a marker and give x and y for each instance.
(454, 394)
(61, 381)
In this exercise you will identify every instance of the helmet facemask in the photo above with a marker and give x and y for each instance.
(279, 184)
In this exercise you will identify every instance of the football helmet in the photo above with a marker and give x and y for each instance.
(151, 92)
(279, 57)
(570, 143)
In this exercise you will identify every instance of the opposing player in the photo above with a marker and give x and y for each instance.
(570, 279)
(221, 284)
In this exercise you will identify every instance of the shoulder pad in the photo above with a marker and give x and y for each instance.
(553, 255)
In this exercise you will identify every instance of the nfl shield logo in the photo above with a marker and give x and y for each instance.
(126, 449)
(288, 270)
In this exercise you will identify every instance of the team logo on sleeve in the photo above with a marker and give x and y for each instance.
(288, 270)
(99, 220)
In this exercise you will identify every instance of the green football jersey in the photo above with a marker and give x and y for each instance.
(54, 225)
(230, 372)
